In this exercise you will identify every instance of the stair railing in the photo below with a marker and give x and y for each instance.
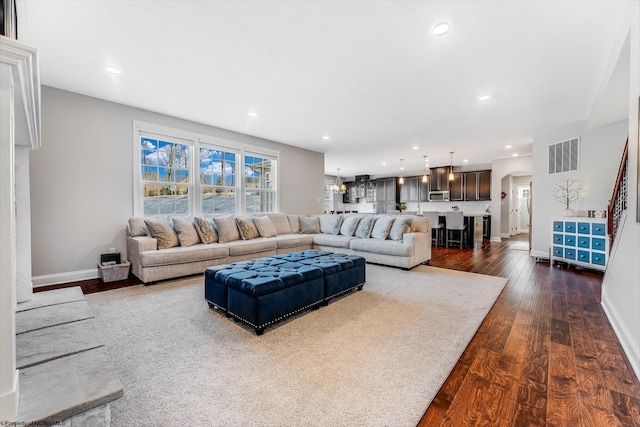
(618, 201)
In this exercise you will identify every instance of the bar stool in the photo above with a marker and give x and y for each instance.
(455, 222)
(436, 226)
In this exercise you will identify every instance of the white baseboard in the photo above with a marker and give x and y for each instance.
(505, 235)
(496, 239)
(539, 254)
(71, 276)
(627, 340)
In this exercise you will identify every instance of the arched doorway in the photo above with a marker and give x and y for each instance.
(515, 204)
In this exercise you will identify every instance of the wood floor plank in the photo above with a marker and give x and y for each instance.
(563, 404)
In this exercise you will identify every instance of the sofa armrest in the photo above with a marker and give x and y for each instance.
(135, 247)
(422, 244)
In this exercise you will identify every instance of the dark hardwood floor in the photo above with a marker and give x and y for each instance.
(545, 355)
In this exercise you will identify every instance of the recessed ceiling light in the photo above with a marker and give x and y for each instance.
(415, 147)
(326, 137)
(508, 146)
(253, 114)
(441, 28)
(466, 160)
(484, 97)
(384, 163)
(113, 69)
(515, 154)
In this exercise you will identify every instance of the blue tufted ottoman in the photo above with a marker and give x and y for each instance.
(262, 291)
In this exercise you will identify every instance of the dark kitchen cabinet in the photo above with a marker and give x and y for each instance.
(371, 192)
(484, 185)
(423, 191)
(477, 186)
(456, 188)
(471, 186)
(486, 227)
(409, 190)
(361, 187)
(388, 195)
(439, 179)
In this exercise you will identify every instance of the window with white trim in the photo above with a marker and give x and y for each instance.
(258, 182)
(178, 173)
(218, 172)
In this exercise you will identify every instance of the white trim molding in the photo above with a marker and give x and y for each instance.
(67, 277)
(25, 62)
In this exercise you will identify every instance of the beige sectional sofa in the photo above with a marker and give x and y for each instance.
(165, 248)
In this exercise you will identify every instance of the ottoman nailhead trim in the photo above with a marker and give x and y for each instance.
(277, 319)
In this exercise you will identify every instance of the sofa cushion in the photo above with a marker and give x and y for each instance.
(400, 226)
(330, 224)
(247, 227)
(265, 226)
(383, 247)
(162, 230)
(349, 224)
(382, 226)
(186, 230)
(226, 228)
(336, 241)
(180, 255)
(286, 241)
(309, 224)
(137, 227)
(364, 227)
(206, 230)
(245, 247)
(281, 222)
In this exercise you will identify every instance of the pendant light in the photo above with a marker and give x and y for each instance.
(401, 180)
(451, 177)
(425, 178)
(338, 185)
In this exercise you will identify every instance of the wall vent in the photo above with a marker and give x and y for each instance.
(563, 156)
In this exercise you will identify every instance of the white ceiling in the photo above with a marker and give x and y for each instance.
(369, 74)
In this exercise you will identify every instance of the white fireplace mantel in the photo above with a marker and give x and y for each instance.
(20, 132)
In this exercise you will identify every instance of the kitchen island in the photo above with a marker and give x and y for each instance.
(478, 227)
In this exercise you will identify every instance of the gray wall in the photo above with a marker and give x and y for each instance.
(82, 180)
(600, 155)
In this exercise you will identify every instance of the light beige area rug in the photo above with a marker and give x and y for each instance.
(376, 357)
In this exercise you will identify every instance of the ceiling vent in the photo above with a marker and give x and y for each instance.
(563, 156)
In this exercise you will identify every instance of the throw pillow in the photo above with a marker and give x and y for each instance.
(281, 222)
(206, 230)
(137, 227)
(247, 228)
(186, 229)
(364, 227)
(400, 226)
(381, 227)
(348, 227)
(226, 228)
(420, 225)
(162, 230)
(294, 222)
(330, 224)
(309, 224)
(265, 226)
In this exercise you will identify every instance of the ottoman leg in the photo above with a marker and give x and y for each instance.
(259, 331)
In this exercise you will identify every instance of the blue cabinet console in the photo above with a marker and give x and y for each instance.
(580, 241)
